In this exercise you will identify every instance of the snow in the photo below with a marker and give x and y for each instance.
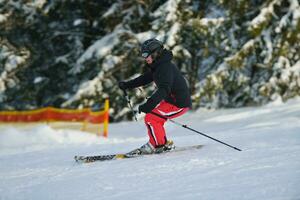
(269, 46)
(294, 10)
(86, 88)
(171, 35)
(246, 48)
(212, 21)
(13, 62)
(289, 74)
(37, 162)
(99, 49)
(110, 62)
(113, 9)
(62, 59)
(181, 49)
(143, 36)
(264, 14)
(78, 22)
(3, 18)
(170, 7)
(38, 3)
(38, 79)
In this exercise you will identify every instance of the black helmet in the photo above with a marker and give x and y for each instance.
(150, 46)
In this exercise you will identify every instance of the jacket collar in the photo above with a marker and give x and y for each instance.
(166, 56)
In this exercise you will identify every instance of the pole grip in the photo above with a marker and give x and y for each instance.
(125, 93)
(129, 103)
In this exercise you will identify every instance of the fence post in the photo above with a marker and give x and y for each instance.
(106, 118)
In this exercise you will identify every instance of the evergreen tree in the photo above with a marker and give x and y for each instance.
(73, 53)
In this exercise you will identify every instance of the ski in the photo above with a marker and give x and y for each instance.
(131, 154)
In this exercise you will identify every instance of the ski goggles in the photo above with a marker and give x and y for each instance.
(145, 54)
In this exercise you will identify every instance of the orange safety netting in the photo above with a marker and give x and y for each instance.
(50, 114)
(53, 114)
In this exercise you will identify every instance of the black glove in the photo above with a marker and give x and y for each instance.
(145, 108)
(123, 85)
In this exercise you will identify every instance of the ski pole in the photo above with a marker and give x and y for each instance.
(129, 103)
(185, 126)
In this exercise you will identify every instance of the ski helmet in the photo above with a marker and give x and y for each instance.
(150, 46)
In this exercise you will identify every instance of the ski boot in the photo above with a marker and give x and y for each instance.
(143, 150)
(147, 149)
(169, 146)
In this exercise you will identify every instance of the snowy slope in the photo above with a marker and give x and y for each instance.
(38, 163)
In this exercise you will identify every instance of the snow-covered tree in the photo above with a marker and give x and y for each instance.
(249, 48)
(73, 53)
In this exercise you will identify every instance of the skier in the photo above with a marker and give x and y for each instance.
(171, 98)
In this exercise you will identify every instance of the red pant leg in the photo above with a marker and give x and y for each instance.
(155, 124)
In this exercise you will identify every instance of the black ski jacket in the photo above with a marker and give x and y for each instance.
(171, 85)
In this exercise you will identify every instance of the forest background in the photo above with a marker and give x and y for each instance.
(72, 53)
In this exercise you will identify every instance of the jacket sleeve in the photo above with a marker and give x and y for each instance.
(144, 79)
(164, 83)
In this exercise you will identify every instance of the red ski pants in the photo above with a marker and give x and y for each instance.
(155, 124)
